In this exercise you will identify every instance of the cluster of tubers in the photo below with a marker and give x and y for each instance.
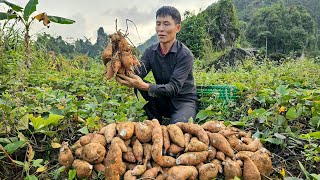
(117, 56)
(147, 150)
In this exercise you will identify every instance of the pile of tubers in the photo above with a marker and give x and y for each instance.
(117, 56)
(147, 150)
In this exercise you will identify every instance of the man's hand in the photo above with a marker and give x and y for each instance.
(132, 81)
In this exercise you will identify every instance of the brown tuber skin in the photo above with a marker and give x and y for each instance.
(219, 142)
(196, 130)
(125, 129)
(176, 134)
(82, 168)
(110, 132)
(220, 156)
(250, 170)
(65, 155)
(263, 162)
(166, 138)
(129, 156)
(143, 131)
(117, 56)
(93, 153)
(213, 126)
(192, 158)
(174, 149)
(208, 171)
(182, 173)
(196, 146)
(129, 176)
(151, 173)
(231, 169)
(93, 138)
(138, 151)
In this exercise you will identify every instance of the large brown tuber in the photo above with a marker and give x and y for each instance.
(83, 168)
(65, 155)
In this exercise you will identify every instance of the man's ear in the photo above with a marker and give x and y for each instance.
(178, 28)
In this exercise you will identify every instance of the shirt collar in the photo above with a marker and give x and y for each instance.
(174, 47)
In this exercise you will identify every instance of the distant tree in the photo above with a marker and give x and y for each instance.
(283, 28)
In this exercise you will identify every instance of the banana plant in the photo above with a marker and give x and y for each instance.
(24, 15)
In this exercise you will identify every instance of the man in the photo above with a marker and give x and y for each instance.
(174, 94)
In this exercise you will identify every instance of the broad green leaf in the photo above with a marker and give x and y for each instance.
(72, 174)
(29, 9)
(294, 113)
(315, 121)
(279, 136)
(204, 114)
(37, 163)
(12, 147)
(53, 119)
(274, 141)
(315, 135)
(282, 90)
(84, 130)
(237, 123)
(41, 169)
(13, 6)
(23, 124)
(292, 178)
(4, 16)
(37, 122)
(31, 177)
(60, 20)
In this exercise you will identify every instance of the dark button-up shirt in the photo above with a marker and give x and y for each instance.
(172, 72)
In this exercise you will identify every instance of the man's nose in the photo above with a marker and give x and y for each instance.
(161, 27)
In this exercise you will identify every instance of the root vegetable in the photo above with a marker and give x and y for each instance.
(166, 138)
(213, 126)
(196, 145)
(83, 168)
(211, 153)
(125, 129)
(192, 158)
(174, 149)
(129, 156)
(250, 170)
(114, 164)
(151, 173)
(93, 153)
(99, 168)
(65, 155)
(121, 143)
(138, 151)
(78, 152)
(107, 54)
(194, 129)
(219, 142)
(231, 169)
(176, 134)
(147, 152)
(138, 170)
(110, 132)
(263, 162)
(187, 138)
(143, 132)
(253, 146)
(161, 177)
(220, 156)
(182, 173)
(129, 176)
(208, 171)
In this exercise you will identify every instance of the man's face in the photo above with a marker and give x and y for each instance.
(166, 29)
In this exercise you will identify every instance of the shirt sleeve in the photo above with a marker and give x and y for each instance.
(145, 67)
(178, 77)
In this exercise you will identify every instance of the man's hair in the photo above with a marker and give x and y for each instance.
(169, 11)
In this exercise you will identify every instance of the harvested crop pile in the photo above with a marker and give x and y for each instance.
(147, 150)
(117, 56)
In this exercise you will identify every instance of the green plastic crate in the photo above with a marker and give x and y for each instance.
(221, 93)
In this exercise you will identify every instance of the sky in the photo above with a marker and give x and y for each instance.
(90, 15)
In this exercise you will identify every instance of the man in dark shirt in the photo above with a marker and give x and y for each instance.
(174, 94)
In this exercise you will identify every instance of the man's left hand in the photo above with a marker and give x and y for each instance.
(132, 81)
